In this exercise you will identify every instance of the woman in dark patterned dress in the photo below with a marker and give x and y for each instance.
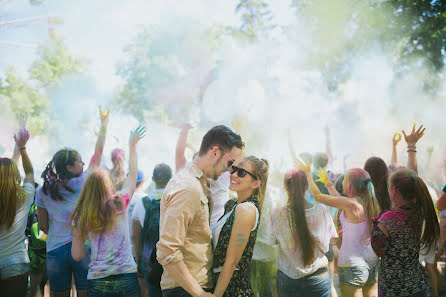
(398, 234)
(234, 235)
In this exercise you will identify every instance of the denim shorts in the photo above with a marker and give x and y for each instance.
(358, 276)
(119, 285)
(14, 270)
(317, 284)
(61, 266)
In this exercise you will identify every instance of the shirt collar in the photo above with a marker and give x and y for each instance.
(197, 172)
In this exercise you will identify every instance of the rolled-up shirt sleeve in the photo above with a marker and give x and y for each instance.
(180, 209)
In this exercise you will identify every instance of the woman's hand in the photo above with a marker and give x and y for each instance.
(414, 136)
(396, 139)
(322, 176)
(22, 138)
(104, 116)
(304, 166)
(137, 135)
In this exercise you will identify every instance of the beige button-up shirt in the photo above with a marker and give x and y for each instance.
(184, 226)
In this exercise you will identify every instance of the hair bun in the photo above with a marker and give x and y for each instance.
(266, 162)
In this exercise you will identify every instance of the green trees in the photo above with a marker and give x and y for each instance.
(23, 95)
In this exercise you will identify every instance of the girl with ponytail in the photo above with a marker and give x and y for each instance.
(63, 180)
(303, 231)
(356, 277)
(234, 235)
(398, 234)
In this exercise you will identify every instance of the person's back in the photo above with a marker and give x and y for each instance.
(289, 258)
(15, 202)
(59, 211)
(12, 240)
(110, 252)
(399, 262)
(354, 240)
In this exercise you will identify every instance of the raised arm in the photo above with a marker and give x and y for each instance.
(245, 217)
(323, 178)
(21, 119)
(135, 136)
(396, 138)
(180, 159)
(21, 138)
(411, 141)
(344, 203)
(99, 148)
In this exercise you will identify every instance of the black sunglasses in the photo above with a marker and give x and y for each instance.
(241, 172)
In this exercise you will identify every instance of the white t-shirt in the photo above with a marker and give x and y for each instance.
(12, 241)
(111, 251)
(137, 198)
(289, 258)
(220, 195)
(139, 212)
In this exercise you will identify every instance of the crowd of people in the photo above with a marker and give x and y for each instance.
(210, 229)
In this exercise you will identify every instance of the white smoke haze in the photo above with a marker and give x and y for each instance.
(272, 85)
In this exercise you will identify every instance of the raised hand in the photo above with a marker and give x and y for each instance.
(136, 135)
(322, 176)
(396, 138)
(104, 116)
(415, 135)
(22, 138)
(304, 166)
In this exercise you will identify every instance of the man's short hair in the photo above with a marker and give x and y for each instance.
(162, 174)
(320, 160)
(220, 136)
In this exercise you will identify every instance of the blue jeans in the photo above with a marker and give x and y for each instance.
(120, 285)
(153, 291)
(61, 266)
(315, 285)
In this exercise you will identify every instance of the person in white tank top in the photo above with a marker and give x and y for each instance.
(356, 277)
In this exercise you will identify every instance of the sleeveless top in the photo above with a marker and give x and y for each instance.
(239, 284)
(355, 238)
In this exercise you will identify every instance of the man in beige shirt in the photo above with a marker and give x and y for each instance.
(184, 248)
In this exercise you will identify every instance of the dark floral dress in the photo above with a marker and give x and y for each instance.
(239, 285)
(401, 273)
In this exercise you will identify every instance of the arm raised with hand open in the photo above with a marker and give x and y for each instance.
(411, 141)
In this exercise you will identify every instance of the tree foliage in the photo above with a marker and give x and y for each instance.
(414, 31)
(158, 62)
(23, 95)
(54, 61)
(256, 18)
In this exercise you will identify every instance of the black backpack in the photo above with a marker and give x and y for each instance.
(149, 237)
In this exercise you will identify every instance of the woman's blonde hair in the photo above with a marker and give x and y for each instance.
(12, 195)
(260, 170)
(363, 188)
(97, 207)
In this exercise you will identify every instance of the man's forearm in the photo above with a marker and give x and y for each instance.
(182, 276)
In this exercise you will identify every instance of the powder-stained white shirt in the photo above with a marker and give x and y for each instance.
(289, 258)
